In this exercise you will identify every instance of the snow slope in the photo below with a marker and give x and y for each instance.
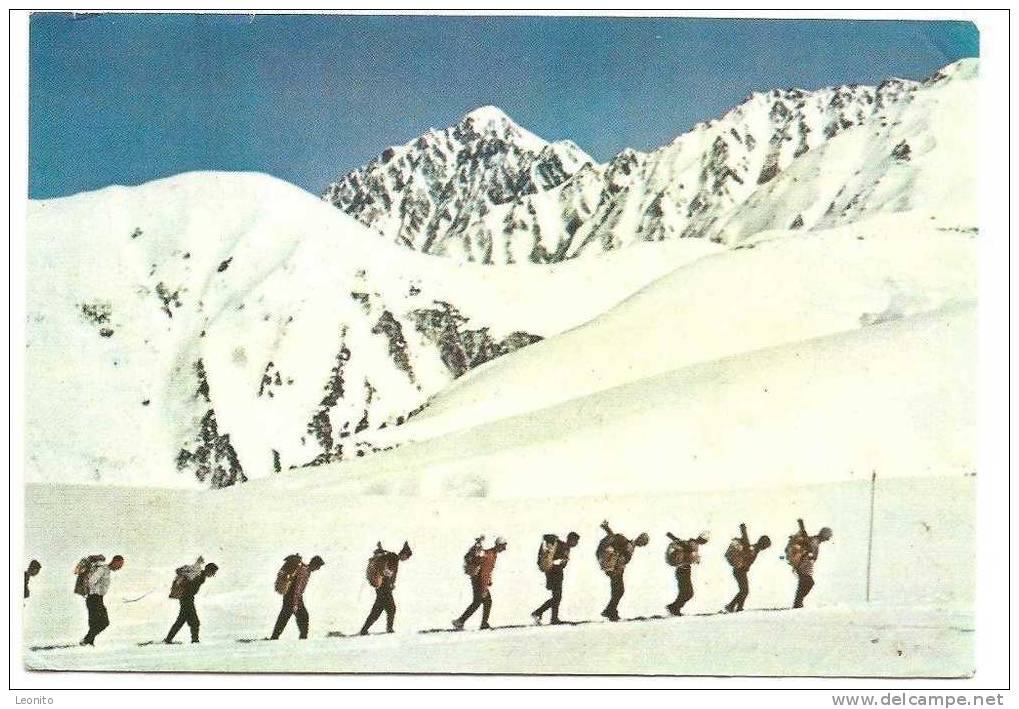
(784, 158)
(781, 288)
(896, 397)
(230, 324)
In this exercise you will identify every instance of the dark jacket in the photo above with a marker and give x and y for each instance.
(190, 587)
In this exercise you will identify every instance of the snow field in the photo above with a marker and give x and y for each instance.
(922, 558)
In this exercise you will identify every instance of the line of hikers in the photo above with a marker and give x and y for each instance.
(614, 552)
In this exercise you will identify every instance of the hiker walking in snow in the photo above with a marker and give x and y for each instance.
(801, 553)
(93, 582)
(291, 580)
(553, 555)
(683, 554)
(34, 567)
(381, 573)
(479, 563)
(186, 583)
(614, 553)
(741, 555)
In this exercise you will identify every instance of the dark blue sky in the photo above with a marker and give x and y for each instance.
(128, 98)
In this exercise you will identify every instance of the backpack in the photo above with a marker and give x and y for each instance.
(681, 553)
(612, 553)
(797, 550)
(736, 554)
(182, 575)
(285, 576)
(546, 555)
(472, 559)
(82, 570)
(740, 554)
(377, 566)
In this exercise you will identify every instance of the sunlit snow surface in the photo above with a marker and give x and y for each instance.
(759, 374)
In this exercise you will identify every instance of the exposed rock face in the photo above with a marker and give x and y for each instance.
(435, 194)
(486, 190)
(209, 456)
(460, 347)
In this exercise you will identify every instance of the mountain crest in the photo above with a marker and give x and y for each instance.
(489, 191)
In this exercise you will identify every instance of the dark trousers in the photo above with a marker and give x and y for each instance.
(284, 617)
(685, 590)
(188, 615)
(482, 599)
(98, 619)
(554, 583)
(616, 591)
(383, 602)
(806, 582)
(736, 604)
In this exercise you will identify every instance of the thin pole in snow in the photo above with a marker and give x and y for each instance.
(870, 534)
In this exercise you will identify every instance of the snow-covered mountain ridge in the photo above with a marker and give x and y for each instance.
(220, 326)
(486, 190)
(214, 327)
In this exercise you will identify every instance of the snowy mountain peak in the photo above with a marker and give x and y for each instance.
(487, 117)
(491, 122)
(487, 190)
(425, 194)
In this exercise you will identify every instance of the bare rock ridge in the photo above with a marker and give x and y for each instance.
(486, 190)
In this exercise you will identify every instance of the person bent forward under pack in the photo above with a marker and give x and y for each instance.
(185, 587)
(381, 574)
(479, 563)
(553, 555)
(614, 553)
(683, 554)
(93, 582)
(741, 555)
(291, 580)
(34, 567)
(801, 553)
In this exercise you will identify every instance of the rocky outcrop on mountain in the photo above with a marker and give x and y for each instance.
(486, 190)
(209, 456)
(460, 347)
(431, 194)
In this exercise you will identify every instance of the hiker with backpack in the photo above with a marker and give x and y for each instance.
(553, 555)
(93, 582)
(479, 563)
(741, 555)
(683, 554)
(801, 553)
(614, 553)
(186, 583)
(381, 574)
(291, 580)
(34, 567)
